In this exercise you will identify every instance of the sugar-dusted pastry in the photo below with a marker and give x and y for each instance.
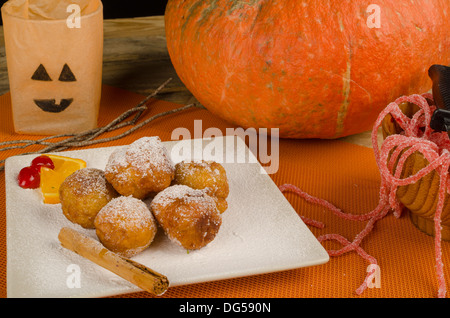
(209, 176)
(83, 194)
(142, 168)
(188, 216)
(125, 226)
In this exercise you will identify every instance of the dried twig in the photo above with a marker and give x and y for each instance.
(87, 138)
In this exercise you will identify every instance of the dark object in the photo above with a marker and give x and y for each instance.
(440, 75)
(41, 74)
(50, 106)
(67, 75)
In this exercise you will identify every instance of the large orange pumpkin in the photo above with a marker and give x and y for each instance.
(312, 68)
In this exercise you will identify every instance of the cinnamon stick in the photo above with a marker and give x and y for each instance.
(138, 274)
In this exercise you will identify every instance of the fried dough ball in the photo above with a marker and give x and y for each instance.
(207, 175)
(189, 217)
(221, 204)
(83, 194)
(140, 169)
(125, 226)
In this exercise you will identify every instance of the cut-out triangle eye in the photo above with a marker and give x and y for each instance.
(41, 74)
(67, 75)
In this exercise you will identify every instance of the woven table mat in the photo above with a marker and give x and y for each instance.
(342, 173)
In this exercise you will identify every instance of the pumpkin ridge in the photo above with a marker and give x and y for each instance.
(342, 112)
(239, 4)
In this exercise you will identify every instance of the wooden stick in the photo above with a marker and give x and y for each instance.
(133, 272)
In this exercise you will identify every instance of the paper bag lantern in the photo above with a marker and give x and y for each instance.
(54, 52)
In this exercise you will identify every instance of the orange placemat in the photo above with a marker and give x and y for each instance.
(342, 173)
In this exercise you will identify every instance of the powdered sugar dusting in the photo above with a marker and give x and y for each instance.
(206, 175)
(184, 194)
(262, 241)
(126, 212)
(146, 154)
(87, 181)
(197, 164)
(180, 209)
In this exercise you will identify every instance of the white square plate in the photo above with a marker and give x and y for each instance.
(260, 232)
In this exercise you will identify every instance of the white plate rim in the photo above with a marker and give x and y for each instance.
(321, 256)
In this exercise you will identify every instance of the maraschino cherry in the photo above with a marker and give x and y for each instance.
(29, 177)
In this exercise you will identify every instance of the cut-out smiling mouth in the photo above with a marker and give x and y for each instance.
(49, 105)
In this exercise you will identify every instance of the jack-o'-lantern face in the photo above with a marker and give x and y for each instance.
(50, 105)
(54, 67)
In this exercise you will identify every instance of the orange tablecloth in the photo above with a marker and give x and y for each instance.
(342, 173)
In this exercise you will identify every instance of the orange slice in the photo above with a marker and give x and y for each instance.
(51, 179)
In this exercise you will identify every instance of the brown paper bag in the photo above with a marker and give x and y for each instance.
(54, 52)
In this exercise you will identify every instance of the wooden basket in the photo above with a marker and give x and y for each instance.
(420, 198)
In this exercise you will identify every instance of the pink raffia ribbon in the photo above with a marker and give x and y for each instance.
(417, 136)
